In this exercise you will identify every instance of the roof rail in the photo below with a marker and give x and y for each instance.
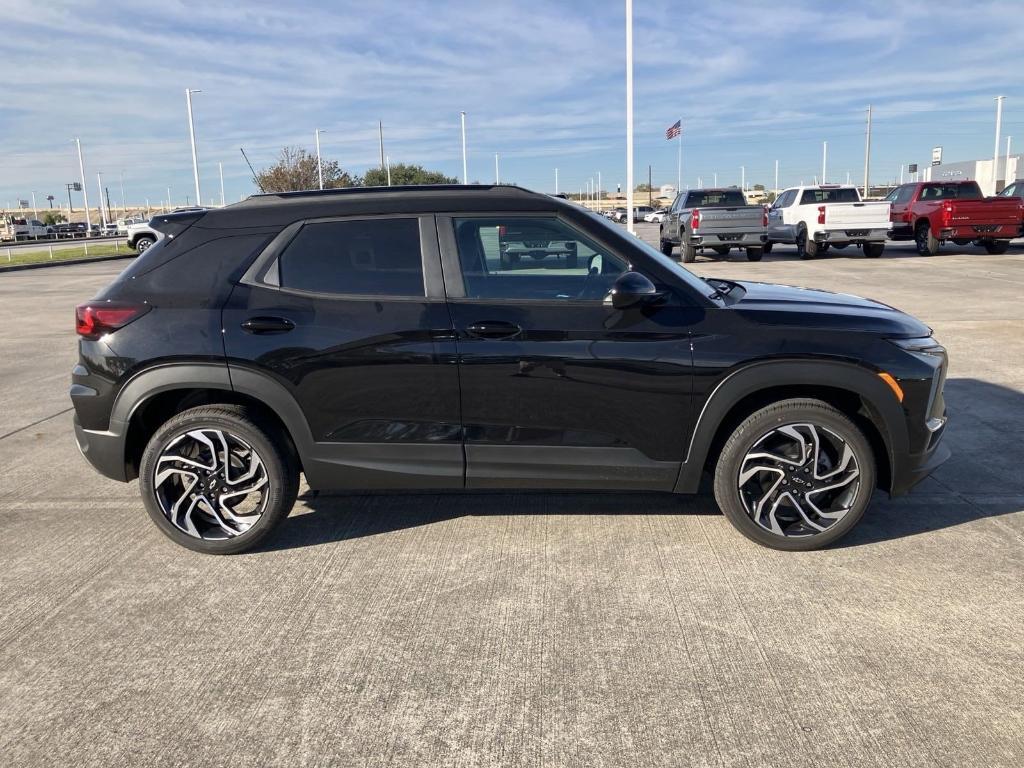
(397, 188)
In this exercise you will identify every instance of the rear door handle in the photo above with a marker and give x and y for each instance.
(493, 329)
(267, 325)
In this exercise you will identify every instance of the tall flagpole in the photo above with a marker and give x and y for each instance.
(629, 117)
(679, 172)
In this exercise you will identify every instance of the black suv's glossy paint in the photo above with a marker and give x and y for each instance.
(448, 391)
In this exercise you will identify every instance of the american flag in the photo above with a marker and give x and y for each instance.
(674, 130)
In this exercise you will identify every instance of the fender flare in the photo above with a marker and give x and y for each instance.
(883, 408)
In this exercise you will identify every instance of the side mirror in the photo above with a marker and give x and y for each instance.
(631, 289)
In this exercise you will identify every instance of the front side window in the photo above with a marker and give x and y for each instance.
(532, 258)
(366, 258)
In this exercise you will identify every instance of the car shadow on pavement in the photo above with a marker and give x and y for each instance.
(977, 482)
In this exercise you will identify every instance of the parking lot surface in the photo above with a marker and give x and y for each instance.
(524, 629)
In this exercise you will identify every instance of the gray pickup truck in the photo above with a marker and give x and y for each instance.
(718, 219)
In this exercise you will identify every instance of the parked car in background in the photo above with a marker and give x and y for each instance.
(368, 338)
(816, 218)
(613, 213)
(719, 219)
(933, 212)
(639, 212)
(1016, 189)
(141, 236)
(656, 216)
(69, 229)
(15, 228)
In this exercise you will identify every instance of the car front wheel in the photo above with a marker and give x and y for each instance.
(217, 479)
(796, 475)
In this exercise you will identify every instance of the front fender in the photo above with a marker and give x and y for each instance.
(881, 404)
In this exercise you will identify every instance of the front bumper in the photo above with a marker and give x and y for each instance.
(104, 450)
(917, 467)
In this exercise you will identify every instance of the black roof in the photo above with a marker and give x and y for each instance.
(275, 209)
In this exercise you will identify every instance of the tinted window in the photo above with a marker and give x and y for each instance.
(711, 198)
(371, 258)
(950, 192)
(904, 193)
(1014, 190)
(839, 195)
(532, 258)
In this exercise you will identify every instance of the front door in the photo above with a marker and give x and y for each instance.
(341, 313)
(559, 389)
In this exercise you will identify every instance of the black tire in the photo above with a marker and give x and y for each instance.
(688, 253)
(142, 243)
(666, 247)
(272, 448)
(925, 240)
(995, 247)
(806, 247)
(767, 247)
(873, 250)
(763, 423)
(721, 250)
(754, 253)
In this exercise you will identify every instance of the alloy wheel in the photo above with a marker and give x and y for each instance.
(799, 480)
(210, 484)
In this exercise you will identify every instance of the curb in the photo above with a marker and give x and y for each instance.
(65, 262)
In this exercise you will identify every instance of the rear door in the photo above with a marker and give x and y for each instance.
(348, 315)
(559, 389)
(899, 212)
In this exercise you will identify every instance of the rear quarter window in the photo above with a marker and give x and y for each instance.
(819, 196)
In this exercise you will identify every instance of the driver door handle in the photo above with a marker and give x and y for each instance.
(265, 325)
(493, 329)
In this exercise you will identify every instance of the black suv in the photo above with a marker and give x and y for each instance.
(382, 338)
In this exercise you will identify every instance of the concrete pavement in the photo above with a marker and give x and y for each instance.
(523, 629)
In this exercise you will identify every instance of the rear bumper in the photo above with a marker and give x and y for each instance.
(731, 239)
(1001, 232)
(104, 450)
(853, 235)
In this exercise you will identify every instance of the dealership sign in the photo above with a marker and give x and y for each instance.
(936, 155)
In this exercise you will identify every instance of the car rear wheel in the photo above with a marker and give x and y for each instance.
(873, 250)
(767, 248)
(754, 254)
(996, 246)
(806, 247)
(143, 243)
(688, 253)
(217, 479)
(796, 475)
(926, 242)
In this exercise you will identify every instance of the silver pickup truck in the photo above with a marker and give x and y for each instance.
(718, 219)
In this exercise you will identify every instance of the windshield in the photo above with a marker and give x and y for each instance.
(613, 232)
(711, 198)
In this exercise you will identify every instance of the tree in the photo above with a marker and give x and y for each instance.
(645, 187)
(296, 170)
(53, 217)
(404, 173)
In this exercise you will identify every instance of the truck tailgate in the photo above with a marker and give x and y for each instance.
(857, 215)
(999, 211)
(747, 218)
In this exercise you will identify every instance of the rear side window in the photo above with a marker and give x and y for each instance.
(712, 198)
(367, 258)
(841, 195)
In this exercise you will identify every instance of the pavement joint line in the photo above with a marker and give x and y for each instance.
(36, 423)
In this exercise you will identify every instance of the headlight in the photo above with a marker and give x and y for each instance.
(923, 345)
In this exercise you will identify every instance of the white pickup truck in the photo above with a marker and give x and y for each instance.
(823, 216)
(17, 228)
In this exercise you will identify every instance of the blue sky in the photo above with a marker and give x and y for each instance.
(542, 84)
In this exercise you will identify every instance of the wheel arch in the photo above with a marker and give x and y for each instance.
(854, 390)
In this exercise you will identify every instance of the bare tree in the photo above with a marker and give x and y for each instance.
(296, 170)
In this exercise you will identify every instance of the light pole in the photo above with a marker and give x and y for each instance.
(824, 161)
(380, 135)
(192, 136)
(85, 193)
(1006, 169)
(629, 116)
(995, 153)
(319, 166)
(465, 172)
(743, 178)
(35, 211)
(716, 179)
(497, 175)
(168, 198)
(867, 154)
(99, 186)
(220, 172)
(124, 205)
(599, 187)
(387, 164)
(776, 177)
(556, 181)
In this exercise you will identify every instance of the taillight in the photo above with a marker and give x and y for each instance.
(94, 320)
(947, 214)
(764, 216)
(695, 219)
(821, 214)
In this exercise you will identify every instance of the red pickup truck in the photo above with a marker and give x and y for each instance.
(932, 212)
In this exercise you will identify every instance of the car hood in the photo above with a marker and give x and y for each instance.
(812, 308)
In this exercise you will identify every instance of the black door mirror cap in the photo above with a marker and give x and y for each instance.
(632, 289)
